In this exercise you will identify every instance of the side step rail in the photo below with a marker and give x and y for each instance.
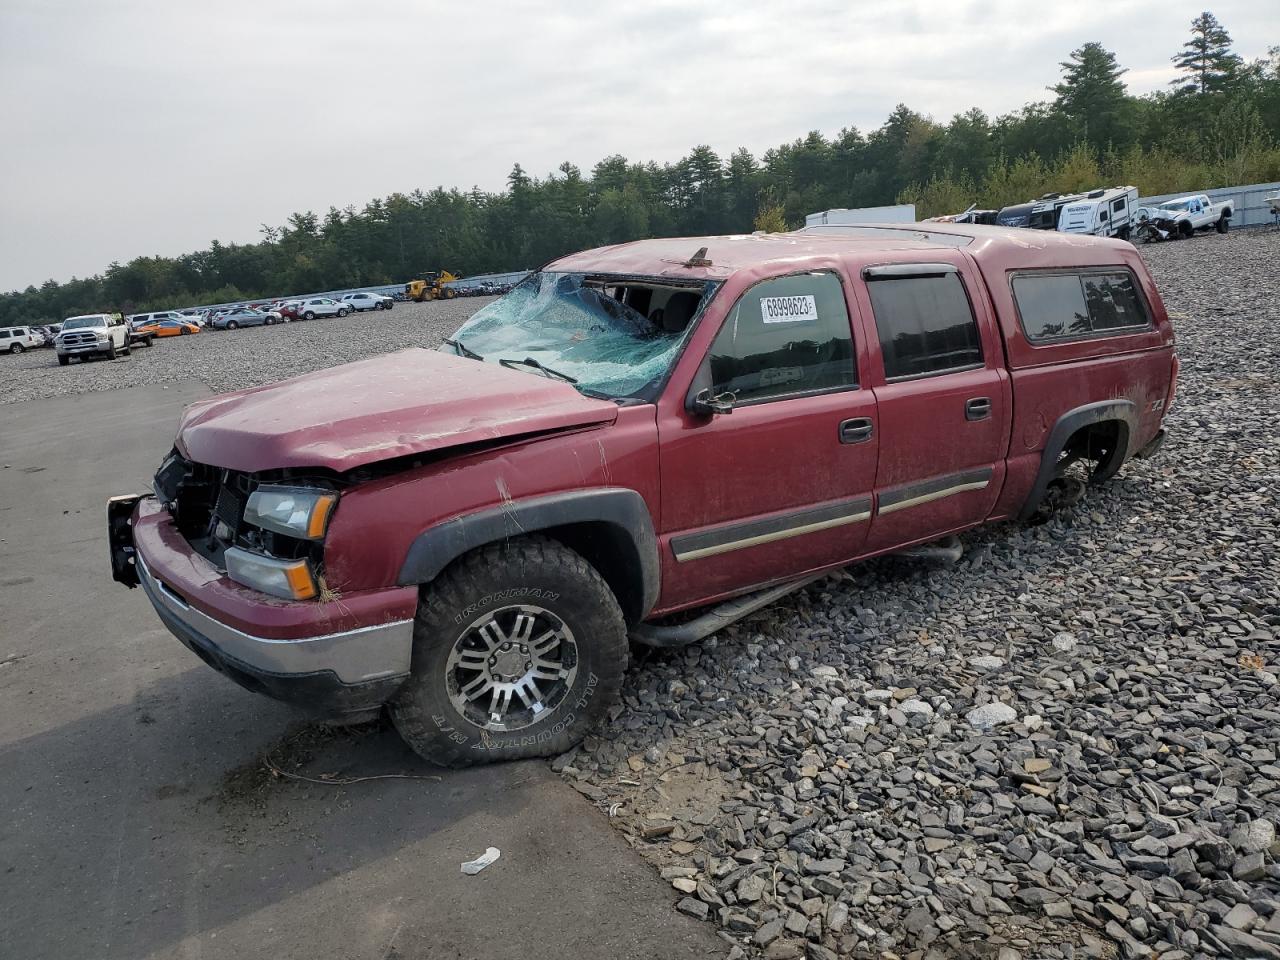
(682, 634)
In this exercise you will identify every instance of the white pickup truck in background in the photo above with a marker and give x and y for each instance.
(1181, 217)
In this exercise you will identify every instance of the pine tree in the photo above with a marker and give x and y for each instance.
(1093, 96)
(1206, 59)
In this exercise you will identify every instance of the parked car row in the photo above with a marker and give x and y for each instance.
(109, 334)
(21, 339)
(1107, 212)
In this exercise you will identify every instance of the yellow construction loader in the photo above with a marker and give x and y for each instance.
(432, 286)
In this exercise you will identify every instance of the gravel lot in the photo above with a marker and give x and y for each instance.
(1065, 745)
(234, 359)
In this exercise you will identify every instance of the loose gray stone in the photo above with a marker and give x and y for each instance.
(991, 715)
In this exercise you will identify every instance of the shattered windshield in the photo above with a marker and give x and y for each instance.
(609, 335)
(1175, 205)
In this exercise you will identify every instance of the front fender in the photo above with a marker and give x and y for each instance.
(621, 510)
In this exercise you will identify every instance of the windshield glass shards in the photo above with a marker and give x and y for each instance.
(612, 336)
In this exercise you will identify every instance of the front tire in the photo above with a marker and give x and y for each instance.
(518, 651)
(1223, 225)
(63, 361)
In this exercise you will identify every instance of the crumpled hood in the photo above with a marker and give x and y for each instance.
(411, 402)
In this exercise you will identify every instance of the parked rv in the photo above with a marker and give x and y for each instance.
(1101, 213)
(1016, 215)
(1047, 211)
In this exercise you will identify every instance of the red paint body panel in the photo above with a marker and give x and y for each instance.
(374, 524)
(410, 402)
(200, 584)
(697, 474)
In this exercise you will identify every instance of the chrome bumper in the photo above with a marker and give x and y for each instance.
(354, 657)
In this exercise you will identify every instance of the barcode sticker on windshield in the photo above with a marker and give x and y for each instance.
(788, 309)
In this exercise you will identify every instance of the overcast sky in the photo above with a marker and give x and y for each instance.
(139, 128)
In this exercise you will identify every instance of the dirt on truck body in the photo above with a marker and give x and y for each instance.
(470, 536)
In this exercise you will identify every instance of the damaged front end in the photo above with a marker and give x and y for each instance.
(264, 531)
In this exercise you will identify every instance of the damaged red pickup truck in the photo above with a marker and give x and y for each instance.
(470, 535)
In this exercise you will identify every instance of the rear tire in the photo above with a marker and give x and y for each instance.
(562, 663)
(233, 325)
(309, 315)
(16, 348)
(127, 349)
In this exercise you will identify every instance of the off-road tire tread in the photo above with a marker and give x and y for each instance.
(472, 576)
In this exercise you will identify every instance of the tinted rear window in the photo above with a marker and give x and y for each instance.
(1060, 306)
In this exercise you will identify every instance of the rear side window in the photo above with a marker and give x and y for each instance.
(784, 337)
(1062, 306)
(925, 323)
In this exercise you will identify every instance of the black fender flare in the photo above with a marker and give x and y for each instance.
(623, 511)
(1124, 412)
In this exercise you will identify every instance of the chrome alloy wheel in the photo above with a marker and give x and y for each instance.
(511, 667)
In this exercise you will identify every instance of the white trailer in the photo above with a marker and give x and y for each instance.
(1101, 213)
(899, 213)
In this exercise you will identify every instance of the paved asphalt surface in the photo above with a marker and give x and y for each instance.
(138, 819)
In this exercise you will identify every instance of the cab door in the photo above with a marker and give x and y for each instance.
(779, 481)
(943, 398)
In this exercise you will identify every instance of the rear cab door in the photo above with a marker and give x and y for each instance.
(943, 395)
(781, 485)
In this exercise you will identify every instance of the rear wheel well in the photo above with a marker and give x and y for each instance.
(1103, 443)
(1097, 433)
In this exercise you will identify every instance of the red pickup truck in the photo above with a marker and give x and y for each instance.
(471, 535)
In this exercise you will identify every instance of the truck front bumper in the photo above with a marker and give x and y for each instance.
(339, 657)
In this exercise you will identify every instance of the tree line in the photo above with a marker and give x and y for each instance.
(1218, 124)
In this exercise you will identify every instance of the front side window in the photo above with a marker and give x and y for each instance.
(611, 336)
(926, 324)
(1061, 306)
(785, 337)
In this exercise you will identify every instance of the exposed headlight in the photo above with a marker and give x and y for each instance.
(293, 511)
(288, 579)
